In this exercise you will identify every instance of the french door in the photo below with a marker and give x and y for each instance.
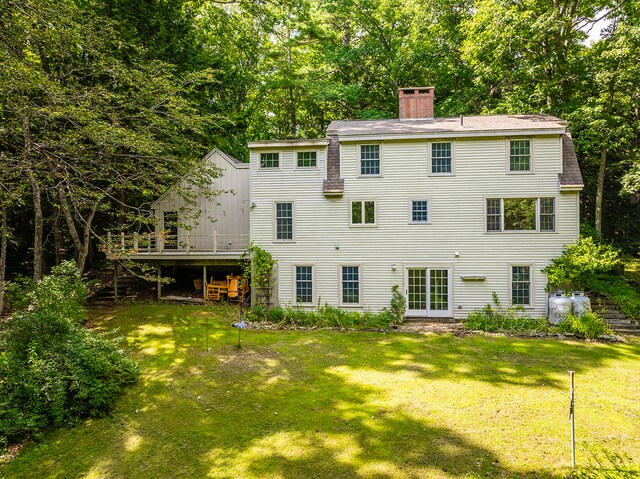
(429, 292)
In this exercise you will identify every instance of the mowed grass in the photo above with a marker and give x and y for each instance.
(332, 404)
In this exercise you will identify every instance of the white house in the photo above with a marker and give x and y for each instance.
(450, 209)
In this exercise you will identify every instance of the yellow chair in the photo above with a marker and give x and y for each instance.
(215, 290)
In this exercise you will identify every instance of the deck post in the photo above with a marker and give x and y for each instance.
(122, 240)
(188, 241)
(215, 241)
(135, 242)
(204, 282)
(115, 281)
(108, 244)
(159, 282)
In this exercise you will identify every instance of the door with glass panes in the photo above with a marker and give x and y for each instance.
(429, 292)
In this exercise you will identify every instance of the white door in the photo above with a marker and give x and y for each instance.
(429, 292)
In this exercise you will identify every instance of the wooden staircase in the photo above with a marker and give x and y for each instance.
(616, 319)
(126, 290)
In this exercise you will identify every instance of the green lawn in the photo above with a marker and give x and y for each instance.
(329, 404)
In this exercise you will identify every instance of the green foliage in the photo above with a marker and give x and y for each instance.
(257, 268)
(62, 293)
(398, 305)
(616, 288)
(495, 318)
(589, 325)
(18, 292)
(581, 260)
(323, 316)
(52, 370)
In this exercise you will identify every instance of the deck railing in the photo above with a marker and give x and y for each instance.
(146, 243)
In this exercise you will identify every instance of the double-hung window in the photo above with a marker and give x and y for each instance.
(284, 221)
(304, 284)
(520, 214)
(521, 285)
(519, 156)
(441, 158)
(269, 160)
(420, 211)
(363, 213)
(307, 159)
(350, 285)
(370, 160)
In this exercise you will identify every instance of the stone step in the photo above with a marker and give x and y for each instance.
(635, 332)
(422, 320)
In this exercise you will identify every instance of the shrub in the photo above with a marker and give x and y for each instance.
(398, 305)
(580, 261)
(52, 370)
(495, 318)
(18, 292)
(589, 325)
(618, 290)
(62, 292)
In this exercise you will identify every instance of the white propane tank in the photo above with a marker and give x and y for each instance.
(581, 303)
(559, 307)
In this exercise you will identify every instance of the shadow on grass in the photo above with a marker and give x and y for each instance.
(293, 404)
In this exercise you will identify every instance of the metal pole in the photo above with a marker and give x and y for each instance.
(573, 430)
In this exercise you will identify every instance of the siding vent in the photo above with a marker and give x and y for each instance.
(416, 102)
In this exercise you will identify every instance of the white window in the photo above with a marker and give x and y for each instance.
(307, 159)
(441, 158)
(370, 160)
(521, 285)
(420, 211)
(350, 285)
(269, 160)
(284, 221)
(304, 284)
(363, 212)
(520, 214)
(520, 156)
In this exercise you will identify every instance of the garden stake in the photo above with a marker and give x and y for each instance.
(572, 417)
(240, 325)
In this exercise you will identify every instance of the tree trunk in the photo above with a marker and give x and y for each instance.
(81, 244)
(600, 191)
(57, 234)
(4, 234)
(38, 234)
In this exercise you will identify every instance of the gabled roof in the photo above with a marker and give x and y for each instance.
(230, 159)
(570, 178)
(451, 126)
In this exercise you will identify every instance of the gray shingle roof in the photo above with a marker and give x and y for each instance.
(488, 123)
(570, 175)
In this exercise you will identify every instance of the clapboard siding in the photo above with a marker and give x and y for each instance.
(457, 209)
(227, 213)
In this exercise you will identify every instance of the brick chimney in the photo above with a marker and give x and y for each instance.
(416, 102)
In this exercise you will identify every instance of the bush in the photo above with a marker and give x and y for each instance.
(589, 325)
(580, 261)
(18, 292)
(495, 318)
(52, 370)
(398, 305)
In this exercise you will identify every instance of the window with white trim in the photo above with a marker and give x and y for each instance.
(519, 156)
(304, 284)
(370, 160)
(284, 221)
(419, 211)
(269, 160)
(520, 214)
(363, 212)
(521, 285)
(350, 284)
(307, 159)
(441, 158)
